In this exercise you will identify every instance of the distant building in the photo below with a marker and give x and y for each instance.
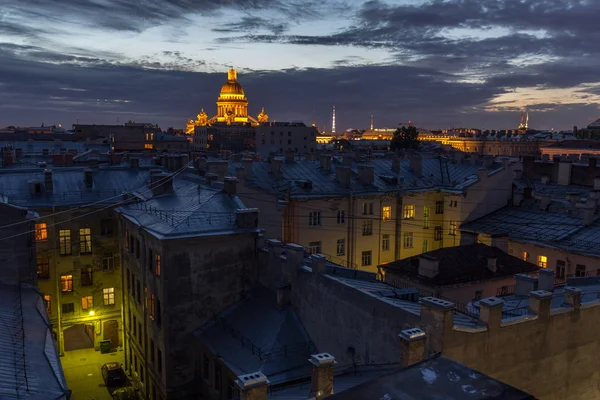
(592, 131)
(282, 137)
(512, 145)
(580, 148)
(31, 367)
(189, 252)
(460, 273)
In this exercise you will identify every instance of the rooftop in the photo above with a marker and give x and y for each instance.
(431, 379)
(253, 335)
(577, 144)
(23, 314)
(461, 264)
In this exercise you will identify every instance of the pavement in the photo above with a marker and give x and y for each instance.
(82, 371)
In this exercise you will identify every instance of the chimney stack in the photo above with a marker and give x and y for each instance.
(318, 263)
(247, 164)
(546, 280)
(482, 173)
(525, 284)
(134, 162)
(342, 175)
(230, 185)
(412, 346)
(325, 160)
(246, 218)
(283, 295)
(564, 173)
(88, 178)
(276, 167)
(396, 165)
(48, 181)
(416, 165)
(366, 174)
(161, 183)
(252, 386)
(321, 384)
(428, 266)
(587, 215)
(289, 156)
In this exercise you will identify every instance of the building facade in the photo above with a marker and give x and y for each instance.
(281, 137)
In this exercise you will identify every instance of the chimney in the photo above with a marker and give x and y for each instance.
(342, 175)
(246, 218)
(490, 311)
(366, 174)
(544, 179)
(412, 346)
(230, 185)
(416, 165)
(161, 183)
(525, 284)
(318, 263)
(88, 178)
(564, 173)
(294, 256)
(546, 280)
(209, 177)
(573, 296)
(200, 164)
(545, 201)
(587, 214)
(252, 386)
(115, 158)
(247, 164)
(276, 167)
(500, 241)
(325, 162)
(283, 295)
(357, 156)
(573, 197)
(592, 162)
(597, 183)
(545, 157)
(488, 161)
(492, 264)
(134, 162)
(518, 173)
(289, 157)
(240, 173)
(540, 302)
(428, 266)
(321, 383)
(396, 165)
(48, 181)
(482, 174)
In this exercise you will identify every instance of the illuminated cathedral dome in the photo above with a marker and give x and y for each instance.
(232, 86)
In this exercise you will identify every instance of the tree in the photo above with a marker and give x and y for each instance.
(405, 138)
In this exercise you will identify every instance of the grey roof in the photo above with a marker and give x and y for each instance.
(551, 228)
(252, 335)
(44, 377)
(69, 186)
(192, 208)
(431, 379)
(437, 175)
(54, 147)
(553, 190)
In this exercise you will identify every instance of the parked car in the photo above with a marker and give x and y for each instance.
(113, 374)
(126, 393)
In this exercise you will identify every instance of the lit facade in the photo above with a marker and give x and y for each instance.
(232, 107)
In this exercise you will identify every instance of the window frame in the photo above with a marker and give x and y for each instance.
(42, 268)
(108, 294)
(341, 217)
(341, 247)
(542, 261)
(425, 217)
(87, 302)
(385, 242)
(314, 218)
(386, 213)
(41, 232)
(312, 246)
(367, 228)
(366, 258)
(408, 211)
(85, 241)
(65, 245)
(408, 240)
(66, 281)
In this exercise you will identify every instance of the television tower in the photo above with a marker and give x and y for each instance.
(333, 121)
(371, 128)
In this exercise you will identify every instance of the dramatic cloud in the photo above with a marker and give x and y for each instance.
(438, 63)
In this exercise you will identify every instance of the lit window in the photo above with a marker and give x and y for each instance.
(385, 243)
(341, 217)
(366, 258)
(409, 211)
(86, 277)
(41, 232)
(66, 283)
(87, 302)
(109, 296)
(148, 146)
(314, 218)
(341, 247)
(424, 246)
(386, 213)
(542, 261)
(425, 217)
(64, 239)
(85, 240)
(48, 303)
(408, 240)
(158, 266)
(453, 228)
(152, 306)
(525, 256)
(43, 267)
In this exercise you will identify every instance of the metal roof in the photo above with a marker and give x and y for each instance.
(54, 146)
(437, 174)
(192, 208)
(30, 367)
(252, 335)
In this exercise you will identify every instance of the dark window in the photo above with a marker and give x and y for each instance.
(206, 367)
(150, 260)
(229, 389)
(152, 351)
(138, 291)
(134, 326)
(107, 227)
(579, 270)
(137, 248)
(478, 295)
(314, 247)
(437, 235)
(157, 316)
(68, 308)
(108, 262)
(43, 267)
(86, 277)
(289, 141)
(560, 269)
(367, 228)
(217, 376)
(159, 359)
(439, 207)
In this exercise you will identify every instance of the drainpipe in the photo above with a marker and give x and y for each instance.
(380, 231)
(143, 268)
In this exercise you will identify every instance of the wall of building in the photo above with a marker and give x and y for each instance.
(490, 147)
(199, 278)
(17, 247)
(277, 139)
(550, 355)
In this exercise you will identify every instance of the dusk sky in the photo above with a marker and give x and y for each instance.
(475, 63)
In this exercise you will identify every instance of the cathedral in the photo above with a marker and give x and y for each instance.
(232, 108)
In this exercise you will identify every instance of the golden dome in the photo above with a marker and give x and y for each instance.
(232, 86)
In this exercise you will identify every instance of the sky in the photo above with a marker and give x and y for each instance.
(438, 63)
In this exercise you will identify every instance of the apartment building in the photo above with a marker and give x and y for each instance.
(363, 213)
(189, 251)
(281, 137)
(74, 244)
